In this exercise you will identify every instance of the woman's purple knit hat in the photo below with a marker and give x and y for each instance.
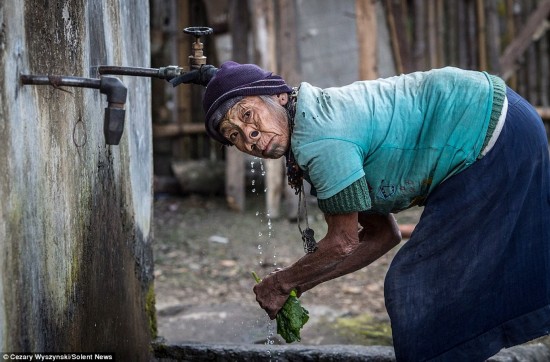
(232, 82)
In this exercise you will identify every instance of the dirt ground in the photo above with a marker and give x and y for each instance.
(205, 252)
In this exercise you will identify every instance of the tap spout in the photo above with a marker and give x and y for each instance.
(112, 87)
(113, 124)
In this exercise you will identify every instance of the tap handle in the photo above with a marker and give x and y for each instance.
(198, 31)
(197, 58)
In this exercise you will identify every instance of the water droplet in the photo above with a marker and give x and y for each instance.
(253, 182)
(257, 213)
(254, 190)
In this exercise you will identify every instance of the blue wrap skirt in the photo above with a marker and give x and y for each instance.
(475, 275)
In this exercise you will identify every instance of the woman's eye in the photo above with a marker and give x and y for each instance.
(233, 136)
(246, 115)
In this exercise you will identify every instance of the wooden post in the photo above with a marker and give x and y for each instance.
(432, 34)
(462, 41)
(493, 36)
(510, 32)
(544, 74)
(544, 113)
(235, 188)
(481, 36)
(440, 35)
(366, 37)
(288, 65)
(263, 29)
(471, 27)
(419, 35)
(395, 38)
(182, 148)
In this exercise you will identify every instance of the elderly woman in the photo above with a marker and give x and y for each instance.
(475, 275)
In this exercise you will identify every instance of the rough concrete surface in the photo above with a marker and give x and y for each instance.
(75, 213)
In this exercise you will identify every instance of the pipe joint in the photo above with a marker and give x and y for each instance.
(114, 89)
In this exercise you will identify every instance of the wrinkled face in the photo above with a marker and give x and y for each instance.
(258, 126)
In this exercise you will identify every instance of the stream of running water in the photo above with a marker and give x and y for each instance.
(265, 233)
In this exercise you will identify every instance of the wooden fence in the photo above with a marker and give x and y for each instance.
(505, 37)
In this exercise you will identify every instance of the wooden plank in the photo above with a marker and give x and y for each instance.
(544, 75)
(265, 45)
(235, 190)
(432, 34)
(510, 56)
(451, 32)
(177, 129)
(264, 37)
(182, 147)
(397, 43)
(399, 15)
(419, 35)
(510, 32)
(481, 35)
(544, 113)
(493, 36)
(471, 29)
(462, 42)
(365, 18)
(441, 22)
(288, 64)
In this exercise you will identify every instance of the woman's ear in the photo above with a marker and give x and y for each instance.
(282, 98)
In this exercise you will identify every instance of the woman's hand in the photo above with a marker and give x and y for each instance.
(270, 295)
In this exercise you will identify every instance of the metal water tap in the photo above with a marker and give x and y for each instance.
(195, 62)
(197, 59)
(116, 91)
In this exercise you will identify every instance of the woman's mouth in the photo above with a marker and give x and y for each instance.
(265, 150)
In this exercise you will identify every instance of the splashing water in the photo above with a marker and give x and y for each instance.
(264, 238)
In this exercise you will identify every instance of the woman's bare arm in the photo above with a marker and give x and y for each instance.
(343, 250)
(379, 234)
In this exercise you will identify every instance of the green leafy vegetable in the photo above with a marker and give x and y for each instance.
(291, 318)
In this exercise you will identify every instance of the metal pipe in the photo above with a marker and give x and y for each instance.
(167, 73)
(118, 70)
(112, 87)
(59, 80)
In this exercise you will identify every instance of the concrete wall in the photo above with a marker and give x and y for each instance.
(75, 214)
